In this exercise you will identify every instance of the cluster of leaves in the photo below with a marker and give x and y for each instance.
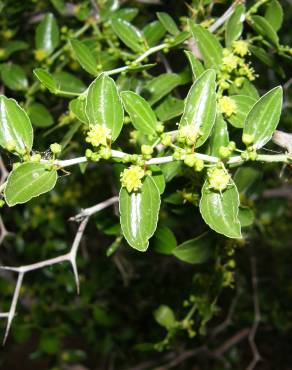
(168, 115)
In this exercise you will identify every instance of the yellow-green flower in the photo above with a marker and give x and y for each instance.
(131, 178)
(227, 105)
(218, 178)
(240, 47)
(229, 61)
(40, 54)
(188, 133)
(98, 135)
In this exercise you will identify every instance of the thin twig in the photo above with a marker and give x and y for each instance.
(257, 317)
(68, 257)
(223, 18)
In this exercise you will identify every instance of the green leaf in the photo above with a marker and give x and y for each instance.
(245, 178)
(13, 76)
(169, 108)
(46, 79)
(168, 23)
(234, 25)
(261, 26)
(195, 251)
(180, 38)
(160, 86)
(196, 65)
(84, 57)
(219, 136)
(164, 240)
(67, 82)
(15, 125)
(158, 177)
(262, 55)
(220, 211)
(244, 104)
(140, 112)
(139, 214)
(274, 14)
(39, 115)
(153, 33)
(264, 117)
(130, 35)
(103, 105)
(246, 216)
(14, 46)
(164, 316)
(77, 107)
(128, 14)
(208, 44)
(27, 181)
(200, 106)
(247, 88)
(47, 34)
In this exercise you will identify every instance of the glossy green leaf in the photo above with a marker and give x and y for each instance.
(160, 86)
(168, 23)
(103, 105)
(140, 112)
(128, 14)
(219, 136)
(165, 317)
(245, 178)
(77, 107)
(247, 88)
(153, 33)
(262, 55)
(196, 65)
(234, 25)
(195, 251)
(180, 38)
(264, 117)
(139, 214)
(246, 216)
(47, 34)
(169, 108)
(274, 14)
(13, 76)
(261, 26)
(208, 44)
(220, 211)
(200, 106)
(244, 104)
(158, 177)
(84, 57)
(130, 35)
(46, 79)
(164, 240)
(171, 169)
(15, 126)
(39, 115)
(27, 181)
(67, 82)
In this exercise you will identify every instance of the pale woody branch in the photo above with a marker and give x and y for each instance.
(84, 215)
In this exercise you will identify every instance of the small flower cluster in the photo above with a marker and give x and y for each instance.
(188, 134)
(226, 151)
(234, 67)
(131, 178)
(196, 163)
(218, 178)
(98, 135)
(227, 106)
